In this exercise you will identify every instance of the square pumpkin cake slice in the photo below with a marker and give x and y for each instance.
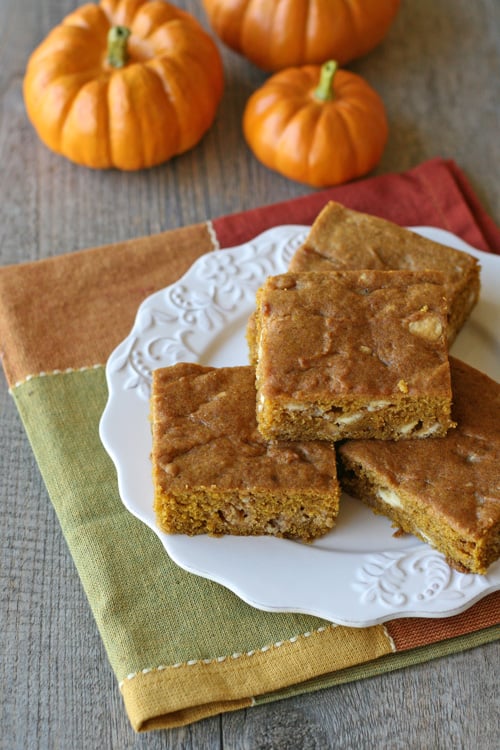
(214, 473)
(352, 354)
(444, 491)
(341, 238)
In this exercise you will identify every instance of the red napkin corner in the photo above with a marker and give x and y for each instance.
(436, 193)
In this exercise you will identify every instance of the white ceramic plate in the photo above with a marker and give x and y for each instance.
(358, 574)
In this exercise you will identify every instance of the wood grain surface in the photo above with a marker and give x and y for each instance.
(438, 72)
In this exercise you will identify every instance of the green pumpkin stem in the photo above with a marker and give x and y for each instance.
(325, 90)
(117, 46)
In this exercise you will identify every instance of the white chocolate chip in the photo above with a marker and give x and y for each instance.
(389, 497)
(424, 536)
(292, 406)
(404, 429)
(376, 405)
(430, 430)
(428, 327)
(348, 418)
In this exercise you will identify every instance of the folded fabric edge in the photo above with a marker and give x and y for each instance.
(147, 699)
(236, 680)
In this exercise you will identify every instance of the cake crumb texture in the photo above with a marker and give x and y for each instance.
(352, 354)
(214, 473)
(445, 491)
(341, 238)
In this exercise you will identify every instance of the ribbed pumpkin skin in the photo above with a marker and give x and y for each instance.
(278, 34)
(158, 105)
(319, 143)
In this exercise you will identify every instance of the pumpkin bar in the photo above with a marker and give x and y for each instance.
(352, 354)
(444, 491)
(342, 239)
(214, 473)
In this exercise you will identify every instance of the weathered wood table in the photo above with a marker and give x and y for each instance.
(439, 75)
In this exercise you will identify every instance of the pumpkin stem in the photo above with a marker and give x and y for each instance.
(117, 46)
(324, 90)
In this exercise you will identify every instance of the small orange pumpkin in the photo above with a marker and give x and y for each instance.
(289, 33)
(124, 83)
(316, 124)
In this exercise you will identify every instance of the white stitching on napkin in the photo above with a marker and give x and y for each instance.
(213, 235)
(219, 659)
(389, 639)
(54, 372)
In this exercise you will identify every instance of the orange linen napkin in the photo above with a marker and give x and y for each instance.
(182, 647)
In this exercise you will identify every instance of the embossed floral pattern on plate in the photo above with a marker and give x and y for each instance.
(412, 577)
(173, 325)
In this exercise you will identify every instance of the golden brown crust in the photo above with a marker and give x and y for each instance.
(446, 491)
(341, 238)
(214, 473)
(352, 354)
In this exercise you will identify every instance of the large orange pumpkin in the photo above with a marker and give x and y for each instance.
(316, 124)
(124, 83)
(276, 35)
